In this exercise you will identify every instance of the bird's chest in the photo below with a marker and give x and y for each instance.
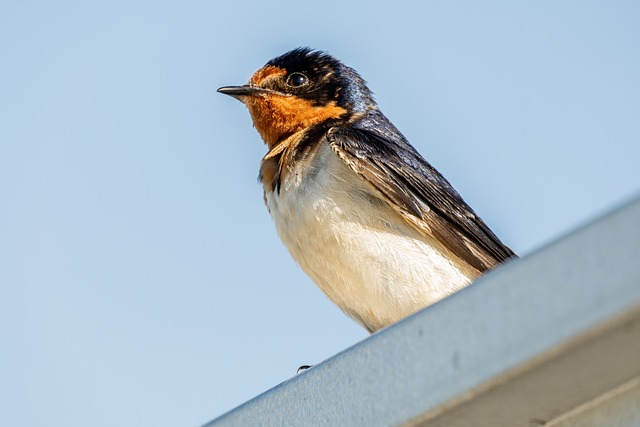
(354, 246)
(322, 206)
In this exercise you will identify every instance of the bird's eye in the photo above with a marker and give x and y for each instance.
(297, 79)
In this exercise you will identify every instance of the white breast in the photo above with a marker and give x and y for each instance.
(367, 259)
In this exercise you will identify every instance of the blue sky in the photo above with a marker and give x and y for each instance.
(141, 279)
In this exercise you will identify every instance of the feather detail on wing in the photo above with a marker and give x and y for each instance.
(378, 152)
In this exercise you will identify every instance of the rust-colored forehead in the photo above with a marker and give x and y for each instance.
(265, 72)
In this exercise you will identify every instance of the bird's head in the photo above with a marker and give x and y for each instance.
(299, 90)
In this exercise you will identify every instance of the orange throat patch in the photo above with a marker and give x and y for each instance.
(277, 117)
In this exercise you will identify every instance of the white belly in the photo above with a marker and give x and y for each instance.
(367, 259)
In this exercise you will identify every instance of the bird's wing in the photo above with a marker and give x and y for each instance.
(378, 152)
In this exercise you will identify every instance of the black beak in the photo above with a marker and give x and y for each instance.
(239, 91)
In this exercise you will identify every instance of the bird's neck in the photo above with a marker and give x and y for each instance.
(277, 117)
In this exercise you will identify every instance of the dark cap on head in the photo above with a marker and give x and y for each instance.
(328, 79)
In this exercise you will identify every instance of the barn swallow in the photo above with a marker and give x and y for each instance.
(371, 222)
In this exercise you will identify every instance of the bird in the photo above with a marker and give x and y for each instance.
(378, 229)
